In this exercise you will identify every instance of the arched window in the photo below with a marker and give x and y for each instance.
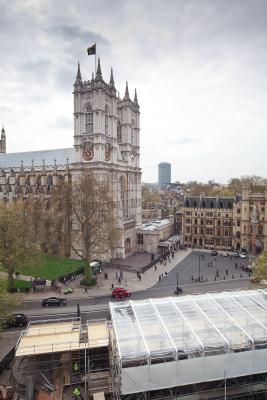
(238, 222)
(204, 204)
(123, 198)
(187, 204)
(89, 120)
(221, 204)
(211, 204)
(106, 120)
(195, 204)
(119, 136)
(238, 235)
(132, 132)
(230, 205)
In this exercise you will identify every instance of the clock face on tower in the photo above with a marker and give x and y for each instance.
(88, 152)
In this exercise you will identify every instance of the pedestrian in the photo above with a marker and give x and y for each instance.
(166, 273)
(116, 275)
(226, 271)
(159, 277)
(155, 268)
(140, 277)
(192, 278)
(119, 280)
(112, 286)
(85, 289)
(162, 275)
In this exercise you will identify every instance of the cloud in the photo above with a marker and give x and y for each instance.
(199, 68)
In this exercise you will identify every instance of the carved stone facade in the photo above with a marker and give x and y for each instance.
(106, 142)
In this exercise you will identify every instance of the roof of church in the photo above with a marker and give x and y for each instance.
(13, 160)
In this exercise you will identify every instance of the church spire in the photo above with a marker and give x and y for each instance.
(126, 96)
(135, 97)
(111, 80)
(98, 75)
(78, 76)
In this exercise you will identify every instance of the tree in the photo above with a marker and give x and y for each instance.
(260, 269)
(8, 301)
(18, 242)
(94, 230)
(149, 197)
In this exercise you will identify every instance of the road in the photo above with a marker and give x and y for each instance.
(94, 308)
(97, 307)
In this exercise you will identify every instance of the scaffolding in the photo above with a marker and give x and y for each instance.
(56, 354)
(162, 344)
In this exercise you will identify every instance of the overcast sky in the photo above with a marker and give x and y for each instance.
(199, 66)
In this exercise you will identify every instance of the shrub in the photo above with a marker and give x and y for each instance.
(85, 282)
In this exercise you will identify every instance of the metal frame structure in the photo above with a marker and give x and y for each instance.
(170, 342)
(47, 351)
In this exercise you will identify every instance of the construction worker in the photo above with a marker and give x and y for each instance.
(76, 394)
(75, 367)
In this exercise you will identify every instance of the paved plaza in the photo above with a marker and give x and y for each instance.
(211, 269)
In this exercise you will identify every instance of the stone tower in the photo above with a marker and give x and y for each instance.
(106, 139)
(3, 141)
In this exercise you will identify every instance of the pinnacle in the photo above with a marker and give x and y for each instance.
(126, 96)
(98, 75)
(78, 76)
(111, 81)
(135, 97)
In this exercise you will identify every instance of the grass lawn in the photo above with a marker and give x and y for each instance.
(18, 284)
(50, 267)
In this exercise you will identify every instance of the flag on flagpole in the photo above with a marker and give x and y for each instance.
(91, 50)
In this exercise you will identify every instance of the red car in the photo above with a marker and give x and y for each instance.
(120, 293)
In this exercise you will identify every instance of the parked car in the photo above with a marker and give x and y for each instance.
(242, 255)
(235, 254)
(16, 320)
(225, 254)
(54, 301)
(120, 293)
(214, 253)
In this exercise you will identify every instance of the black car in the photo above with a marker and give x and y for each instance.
(53, 301)
(17, 320)
(214, 253)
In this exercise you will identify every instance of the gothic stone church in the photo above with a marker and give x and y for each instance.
(106, 141)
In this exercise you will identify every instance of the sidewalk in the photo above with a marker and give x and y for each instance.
(129, 281)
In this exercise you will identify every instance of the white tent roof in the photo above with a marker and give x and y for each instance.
(206, 324)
